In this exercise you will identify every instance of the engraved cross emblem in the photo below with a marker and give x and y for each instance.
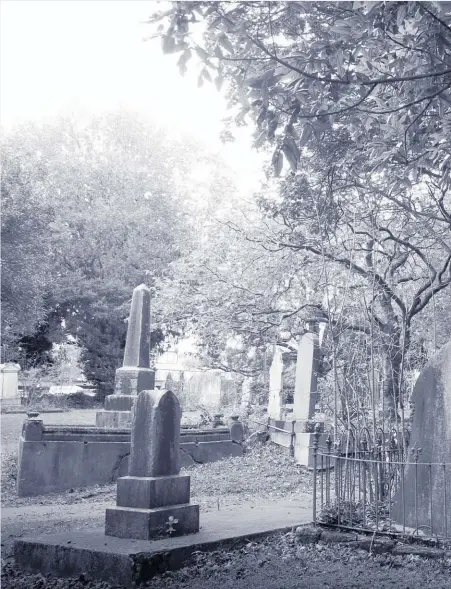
(171, 523)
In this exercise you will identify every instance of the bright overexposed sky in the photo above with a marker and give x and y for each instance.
(88, 57)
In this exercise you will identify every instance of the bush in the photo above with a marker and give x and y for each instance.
(352, 513)
(78, 400)
(103, 343)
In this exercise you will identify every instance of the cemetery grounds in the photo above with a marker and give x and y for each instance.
(264, 475)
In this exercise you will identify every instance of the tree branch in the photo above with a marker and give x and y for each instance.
(435, 17)
(384, 80)
(355, 267)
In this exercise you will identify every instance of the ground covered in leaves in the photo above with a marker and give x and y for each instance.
(278, 562)
(264, 472)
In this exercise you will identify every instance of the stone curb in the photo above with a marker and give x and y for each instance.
(372, 544)
(25, 411)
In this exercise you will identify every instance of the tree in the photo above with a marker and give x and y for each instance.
(106, 205)
(233, 293)
(397, 260)
(26, 247)
(356, 98)
(370, 79)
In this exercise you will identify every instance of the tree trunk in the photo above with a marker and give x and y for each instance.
(394, 347)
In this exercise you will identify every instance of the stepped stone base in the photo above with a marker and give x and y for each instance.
(303, 450)
(145, 524)
(132, 380)
(117, 413)
(151, 492)
(120, 402)
(149, 507)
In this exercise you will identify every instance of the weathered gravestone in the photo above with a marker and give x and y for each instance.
(275, 385)
(135, 375)
(307, 365)
(204, 388)
(154, 499)
(9, 384)
(246, 395)
(305, 402)
(430, 479)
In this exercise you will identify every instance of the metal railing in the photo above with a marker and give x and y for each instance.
(291, 432)
(380, 485)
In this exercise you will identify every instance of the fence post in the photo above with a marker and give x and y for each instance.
(316, 435)
(445, 500)
(293, 435)
(329, 451)
(416, 451)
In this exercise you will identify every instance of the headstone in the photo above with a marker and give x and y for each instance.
(275, 385)
(135, 374)
(155, 436)
(307, 365)
(154, 499)
(236, 429)
(204, 388)
(305, 400)
(431, 432)
(9, 384)
(246, 394)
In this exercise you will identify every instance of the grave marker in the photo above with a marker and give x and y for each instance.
(246, 394)
(430, 480)
(275, 385)
(135, 375)
(306, 382)
(154, 499)
(9, 384)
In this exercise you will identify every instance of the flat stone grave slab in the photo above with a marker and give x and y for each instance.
(128, 562)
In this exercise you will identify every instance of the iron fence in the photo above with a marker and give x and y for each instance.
(268, 427)
(373, 481)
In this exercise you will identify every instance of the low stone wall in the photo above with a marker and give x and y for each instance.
(57, 458)
(301, 432)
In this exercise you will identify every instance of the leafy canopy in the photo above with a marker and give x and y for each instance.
(369, 80)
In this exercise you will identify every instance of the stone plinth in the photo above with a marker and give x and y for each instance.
(303, 439)
(135, 375)
(303, 449)
(151, 492)
(132, 380)
(118, 411)
(153, 501)
(146, 524)
(114, 419)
